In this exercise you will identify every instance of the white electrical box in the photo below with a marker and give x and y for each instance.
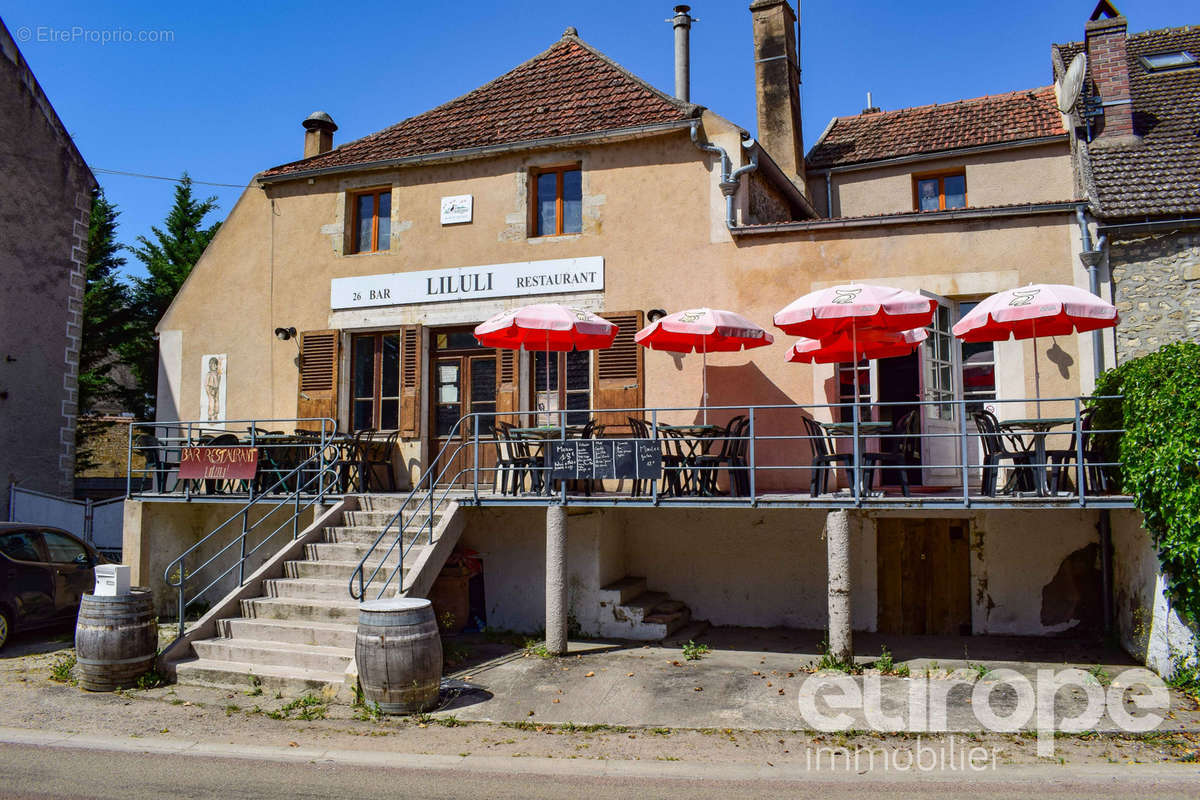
(112, 580)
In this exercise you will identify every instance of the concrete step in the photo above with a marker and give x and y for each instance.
(290, 681)
(387, 502)
(367, 536)
(690, 632)
(625, 589)
(302, 609)
(307, 588)
(348, 551)
(673, 620)
(668, 607)
(331, 570)
(300, 657)
(377, 519)
(643, 605)
(325, 634)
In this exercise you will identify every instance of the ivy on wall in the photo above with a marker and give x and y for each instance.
(1159, 455)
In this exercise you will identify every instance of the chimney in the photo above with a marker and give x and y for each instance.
(682, 21)
(777, 89)
(318, 133)
(1109, 70)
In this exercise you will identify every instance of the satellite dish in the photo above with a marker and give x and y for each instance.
(1072, 84)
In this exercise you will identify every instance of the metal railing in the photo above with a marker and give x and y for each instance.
(159, 447)
(306, 486)
(427, 487)
(1051, 458)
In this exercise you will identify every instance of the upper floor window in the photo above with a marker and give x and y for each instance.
(372, 221)
(940, 192)
(557, 201)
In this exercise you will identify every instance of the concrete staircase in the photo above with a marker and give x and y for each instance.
(298, 635)
(631, 611)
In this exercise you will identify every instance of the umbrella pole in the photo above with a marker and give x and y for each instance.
(548, 422)
(704, 379)
(1037, 375)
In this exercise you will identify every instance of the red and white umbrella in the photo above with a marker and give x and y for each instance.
(1039, 309)
(842, 348)
(703, 330)
(853, 308)
(546, 327)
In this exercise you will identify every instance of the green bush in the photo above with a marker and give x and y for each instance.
(1160, 412)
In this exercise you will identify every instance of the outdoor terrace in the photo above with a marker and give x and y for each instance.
(928, 454)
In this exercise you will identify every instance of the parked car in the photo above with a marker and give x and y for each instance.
(44, 573)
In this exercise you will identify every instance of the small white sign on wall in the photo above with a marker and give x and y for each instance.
(457, 209)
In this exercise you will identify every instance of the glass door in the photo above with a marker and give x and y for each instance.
(940, 382)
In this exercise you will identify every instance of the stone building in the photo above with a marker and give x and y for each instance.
(1137, 159)
(45, 203)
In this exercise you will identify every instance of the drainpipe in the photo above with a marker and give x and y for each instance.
(730, 181)
(829, 193)
(1091, 260)
(1106, 569)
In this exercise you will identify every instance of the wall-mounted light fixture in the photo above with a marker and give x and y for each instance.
(283, 334)
(655, 314)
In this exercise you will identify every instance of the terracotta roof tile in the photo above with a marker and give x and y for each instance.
(569, 89)
(992, 119)
(1160, 176)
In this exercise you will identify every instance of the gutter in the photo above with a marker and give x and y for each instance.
(593, 137)
(939, 154)
(1148, 226)
(911, 217)
(730, 180)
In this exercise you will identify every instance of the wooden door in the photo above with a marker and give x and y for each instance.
(924, 576)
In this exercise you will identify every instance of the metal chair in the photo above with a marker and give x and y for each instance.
(378, 453)
(824, 457)
(732, 456)
(995, 451)
(157, 461)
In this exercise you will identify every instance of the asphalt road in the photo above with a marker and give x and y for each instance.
(162, 770)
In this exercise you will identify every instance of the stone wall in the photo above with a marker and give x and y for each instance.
(1156, 282)
(43, 240)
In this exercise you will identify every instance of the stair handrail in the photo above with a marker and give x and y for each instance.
(419, 486)
(325, 476)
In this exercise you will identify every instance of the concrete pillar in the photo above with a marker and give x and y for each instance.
(837, 543)
(556, 579)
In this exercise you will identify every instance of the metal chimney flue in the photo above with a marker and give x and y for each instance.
(682, 21)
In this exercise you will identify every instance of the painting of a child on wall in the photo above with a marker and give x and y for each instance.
(213, 368)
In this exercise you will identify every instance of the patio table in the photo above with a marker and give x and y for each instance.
(1037, 428)
(865, 428)
(540, 437)
(691, 442)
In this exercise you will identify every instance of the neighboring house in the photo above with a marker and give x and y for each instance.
(43, 239)
(1137, 159)
(570, 180)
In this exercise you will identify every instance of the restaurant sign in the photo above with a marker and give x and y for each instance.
(469, 283)
(219, 463)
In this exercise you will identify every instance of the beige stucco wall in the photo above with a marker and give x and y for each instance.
(1033, 174)
(653, 211)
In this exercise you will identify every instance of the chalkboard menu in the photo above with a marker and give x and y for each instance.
(597, 459)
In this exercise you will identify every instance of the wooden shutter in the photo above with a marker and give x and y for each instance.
(410, 381)
(617, 374)
(318, 386)
(508, 384)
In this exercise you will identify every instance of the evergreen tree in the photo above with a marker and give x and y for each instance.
(105, 318)
(168, 258)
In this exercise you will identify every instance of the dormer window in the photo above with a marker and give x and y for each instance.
(940, 191)
(1164, 61)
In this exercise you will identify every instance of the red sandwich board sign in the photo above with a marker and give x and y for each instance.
(220, 463)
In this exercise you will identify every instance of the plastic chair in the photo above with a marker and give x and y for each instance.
(994, 451)
(824, 457)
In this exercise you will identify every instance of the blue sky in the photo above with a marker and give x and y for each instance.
(223, 98)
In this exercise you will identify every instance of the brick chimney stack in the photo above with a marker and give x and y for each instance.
(1109, 70)
(318, 133)
(777, 85)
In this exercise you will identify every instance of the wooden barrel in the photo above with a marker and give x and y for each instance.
(399, 654)
(116, 639)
